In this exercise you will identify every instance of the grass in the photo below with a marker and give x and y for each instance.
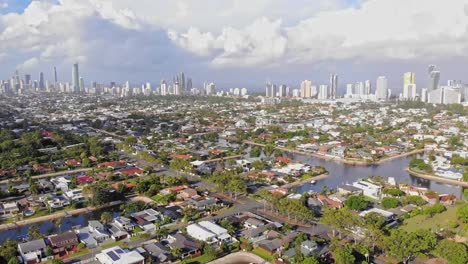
(81, 252)
(263, 254)
(198, 260)
(436, 222)
(112, 244)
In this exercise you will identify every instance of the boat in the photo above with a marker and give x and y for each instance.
(313, 181)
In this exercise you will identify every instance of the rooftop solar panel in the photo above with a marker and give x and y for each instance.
(113, 256)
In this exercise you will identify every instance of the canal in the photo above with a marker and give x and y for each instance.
(53, 226)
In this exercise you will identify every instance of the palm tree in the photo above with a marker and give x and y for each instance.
(106, 217)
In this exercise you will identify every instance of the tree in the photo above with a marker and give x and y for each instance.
(357, 203)
(210, 251)
(341, 220)
(8, 250)
(405, 246)
(462, 213)
(344, 255)
(106, 217)
(57, 261)
(176, 251)
(14, 260)
(311, 260)
(34, 233)
(390, 202)
(453, 252)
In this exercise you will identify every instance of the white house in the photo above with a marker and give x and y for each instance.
(208, 232)
(117, 255)
(368, 189)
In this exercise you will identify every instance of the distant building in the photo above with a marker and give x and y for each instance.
(381, 90)
(333, 86)
(75, 78)
(306, 89)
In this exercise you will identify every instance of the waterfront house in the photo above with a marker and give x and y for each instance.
(75, 195)
(368, 189)
(32, 252)
(117, 232)
(8, 208)
(63, 244)
(117, 255)
(93, 234)
(125, 223)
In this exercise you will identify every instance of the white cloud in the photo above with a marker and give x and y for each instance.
(378, 30)
(148, 34)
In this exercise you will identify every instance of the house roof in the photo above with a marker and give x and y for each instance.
(32, 245)
(65, 239)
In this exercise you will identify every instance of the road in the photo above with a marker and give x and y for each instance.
(48, 175)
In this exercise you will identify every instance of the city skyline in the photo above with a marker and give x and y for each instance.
(158, 45)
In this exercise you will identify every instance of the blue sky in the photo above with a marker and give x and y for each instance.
(236, 43)
(14, 5)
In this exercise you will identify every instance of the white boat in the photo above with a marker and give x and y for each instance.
(313, 181)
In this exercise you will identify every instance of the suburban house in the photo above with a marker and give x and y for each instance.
(8, 208)
(209, 232)
(117, 255)
(158, 252)
(187, 246)
(32, 252)
(93, 234)
(63, 244)
(75, 195)
(368, 189)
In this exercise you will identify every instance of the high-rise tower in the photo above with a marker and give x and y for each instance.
(75, 78)
(333, 86)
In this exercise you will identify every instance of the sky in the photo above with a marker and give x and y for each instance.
(235, 43)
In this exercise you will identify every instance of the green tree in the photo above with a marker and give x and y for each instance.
(357, 203)
(34, 232)
(390, 202)
(8, 250)
(405, 246)
(453, 252)
(14, 260)
(462, 213)
(57, 261)
(342, 220)
(106, 217)
(311, 260)
(344, 255)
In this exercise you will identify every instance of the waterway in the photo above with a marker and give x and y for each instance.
(346, 174)
(341, 174)
(51, 227)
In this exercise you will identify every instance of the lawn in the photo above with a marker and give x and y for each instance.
(198, 260)
(112, 244)
(263, 254)
(436, 222)
(81, 252)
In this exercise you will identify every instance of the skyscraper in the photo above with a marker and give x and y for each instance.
(41, 81)
(164, 90)
(333, 86)
(408, 78)
(55, 75)
(283, 91)
(367, 87)
(382, 88)
(306, 87)
(75, 78)
(434, 77)
(189, 84)
(323, 92)
(82, 85)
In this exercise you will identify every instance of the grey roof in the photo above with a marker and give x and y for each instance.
(34, 245)
(95, 224)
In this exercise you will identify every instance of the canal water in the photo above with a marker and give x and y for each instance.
(51, 227)
(341, 174)
(346, 174)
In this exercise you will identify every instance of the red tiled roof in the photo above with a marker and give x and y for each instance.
(131, 171)
(85, 179)
(111, 163)
(126, 184)
(283, 159)
(181, 156)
